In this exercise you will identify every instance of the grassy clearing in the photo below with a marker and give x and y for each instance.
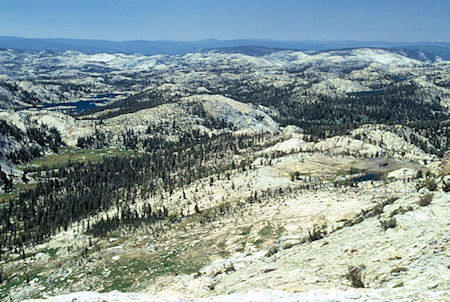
(128, 274)
(73, 155)
(17, 281)
(60, 160)
(17, 188)
(246, 231)
(7, 196)
(350, 171)
(51, 252)
(268, 233)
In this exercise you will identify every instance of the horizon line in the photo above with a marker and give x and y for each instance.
(215, 39)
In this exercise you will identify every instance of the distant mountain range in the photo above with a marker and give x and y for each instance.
(251, 46)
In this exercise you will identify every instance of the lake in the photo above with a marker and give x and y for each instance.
(368, 176)
(81, 105)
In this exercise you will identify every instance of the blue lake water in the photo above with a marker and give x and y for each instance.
(367, 176)
(401, 79)
(82, 105)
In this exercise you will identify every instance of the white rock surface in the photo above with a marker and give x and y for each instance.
(263, 295)
(242, 116)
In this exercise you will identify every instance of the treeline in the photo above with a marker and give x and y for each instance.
(67, 195)
(130, 219)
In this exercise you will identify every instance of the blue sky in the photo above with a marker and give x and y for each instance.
(325, 20)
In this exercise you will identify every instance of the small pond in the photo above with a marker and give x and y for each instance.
(367, 176)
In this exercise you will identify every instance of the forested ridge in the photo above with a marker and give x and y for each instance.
(327, 116)
(324, 116)
(69, 194)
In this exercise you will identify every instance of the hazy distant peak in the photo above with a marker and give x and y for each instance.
(420, 50)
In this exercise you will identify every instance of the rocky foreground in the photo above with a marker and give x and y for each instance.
(373, 242)
(407, 261)
(264, 295)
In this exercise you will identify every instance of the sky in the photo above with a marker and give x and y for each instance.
(190, 20)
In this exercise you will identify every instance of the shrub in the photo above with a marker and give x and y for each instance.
(431, 185)
(425, 200)
(401, 210)
(388, 223)
(354, 275)
(419, 174)
(445, 186)
(272, 251)
(317, 232)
